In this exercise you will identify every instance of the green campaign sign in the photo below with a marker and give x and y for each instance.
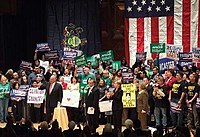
(157, 48)
(80, 60)
(116, 65)
(107, 55)
(93, 59)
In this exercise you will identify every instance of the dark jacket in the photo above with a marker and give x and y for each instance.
(117, 100)
(55, 96)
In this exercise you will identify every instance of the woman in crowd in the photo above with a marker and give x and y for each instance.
(142, 105)
(74, 112)
(4, 98)
(17, 102)
(35, 111)
(117, 105)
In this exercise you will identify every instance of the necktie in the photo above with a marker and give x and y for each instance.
(50, 89)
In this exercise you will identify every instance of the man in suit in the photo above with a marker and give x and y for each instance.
(53, 96)
(117, 106)
(92, 104)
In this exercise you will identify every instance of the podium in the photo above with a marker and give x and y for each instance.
(60, 113)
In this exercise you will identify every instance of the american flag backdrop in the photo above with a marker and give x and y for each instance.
(173, 22)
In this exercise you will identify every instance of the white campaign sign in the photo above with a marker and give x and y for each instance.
(71, 98)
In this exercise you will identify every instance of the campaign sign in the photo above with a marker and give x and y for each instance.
(141, 56)
(25, 65)
(71, 98)
(164, 63)
(35, 96)
(172, 51)
(52, 55)
(43, 47)
(185, 62)
(185, 56)
(69, 55)
(80, 60)
(196, 55)
(157, 48)
(107, 55)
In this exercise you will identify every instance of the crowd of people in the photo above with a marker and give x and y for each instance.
(167, 101)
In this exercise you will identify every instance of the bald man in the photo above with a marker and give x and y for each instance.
(53, 96)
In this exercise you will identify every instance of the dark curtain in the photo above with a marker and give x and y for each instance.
(20, 32)
(82, 13)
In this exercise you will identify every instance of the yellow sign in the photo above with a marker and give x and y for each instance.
(129, 95)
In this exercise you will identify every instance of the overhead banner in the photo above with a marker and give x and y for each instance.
(107, 55)
(80, 60)
(35, 96)
(42, 47)
(52, 55)
(129, 95)
(71, 98)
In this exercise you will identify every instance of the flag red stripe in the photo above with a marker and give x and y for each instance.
(154, 32)
(170, 29)
(140, 35)
(126, 37)
(199, 27)
(186, 25)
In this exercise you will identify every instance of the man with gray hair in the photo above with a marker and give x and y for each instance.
(161, 99)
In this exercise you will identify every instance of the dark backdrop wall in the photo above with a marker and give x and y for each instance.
(82, 13)
(20, 31)
(27, 22)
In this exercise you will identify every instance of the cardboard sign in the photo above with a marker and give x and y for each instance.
(105, 106)
(35, 96)
(129, 95)
(71, 98)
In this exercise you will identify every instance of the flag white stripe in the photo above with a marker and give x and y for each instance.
(178, 22)
(194, 23)
(132, 40)
(147, 36)
(162, 33)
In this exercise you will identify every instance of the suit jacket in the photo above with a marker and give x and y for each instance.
(142, 101)
(55, 96)
(117, 100)
(92, 99)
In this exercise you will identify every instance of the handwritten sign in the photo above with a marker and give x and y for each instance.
(35, 96)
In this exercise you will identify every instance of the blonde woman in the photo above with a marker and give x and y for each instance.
(142, 105)
(4, 98)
